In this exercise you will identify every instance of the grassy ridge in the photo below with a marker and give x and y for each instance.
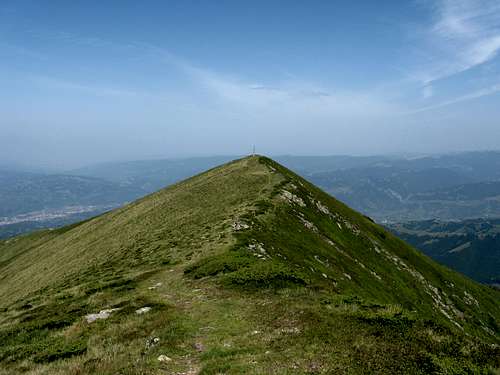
(248, 269)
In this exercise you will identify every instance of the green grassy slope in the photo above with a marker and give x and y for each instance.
(247, 268)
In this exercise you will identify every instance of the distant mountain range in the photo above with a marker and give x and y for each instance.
(470, 246)
(446, 187)
(21, 193)
(30, 201)
(386, 188)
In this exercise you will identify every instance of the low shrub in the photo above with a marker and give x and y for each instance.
(222, 263)
(265, 274)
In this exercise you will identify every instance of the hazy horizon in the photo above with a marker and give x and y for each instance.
(91, 82)
(64, 168)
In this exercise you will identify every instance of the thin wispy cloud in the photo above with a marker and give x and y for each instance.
(296, 96)
(302, 98)
(473, 95)
(464, 34)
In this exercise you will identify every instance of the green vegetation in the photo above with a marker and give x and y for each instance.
(471, 247)
(246, 269)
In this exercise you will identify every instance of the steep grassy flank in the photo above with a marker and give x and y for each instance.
(247, 268)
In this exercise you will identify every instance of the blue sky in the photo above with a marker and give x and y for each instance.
(89, 81)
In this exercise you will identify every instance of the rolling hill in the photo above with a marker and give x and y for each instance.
(392, 193)
(244, 269)
(30, 201)
(21, 193)
(471, 247)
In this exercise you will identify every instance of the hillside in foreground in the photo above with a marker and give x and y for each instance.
(244, 269)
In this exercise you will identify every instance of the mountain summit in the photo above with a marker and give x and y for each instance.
(244, 269)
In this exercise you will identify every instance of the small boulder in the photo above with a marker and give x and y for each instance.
(240, 226)
(157, 285)
(103, 314)
(143, 310)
